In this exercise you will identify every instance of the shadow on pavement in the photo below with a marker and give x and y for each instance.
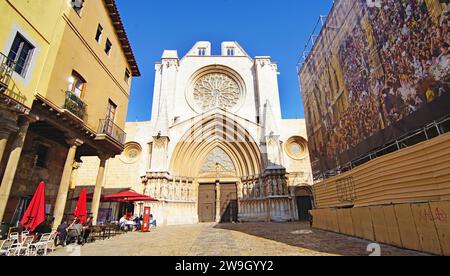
(300, 235)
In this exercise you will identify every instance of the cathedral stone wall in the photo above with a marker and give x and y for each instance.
(217, 148)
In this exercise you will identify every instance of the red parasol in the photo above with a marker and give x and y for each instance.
(81, 210)
(35, 213)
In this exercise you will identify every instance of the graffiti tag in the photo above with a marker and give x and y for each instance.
(434, 215)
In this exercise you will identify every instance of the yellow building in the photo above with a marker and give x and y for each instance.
(65, 77)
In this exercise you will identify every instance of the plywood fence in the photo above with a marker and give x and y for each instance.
(418, 226)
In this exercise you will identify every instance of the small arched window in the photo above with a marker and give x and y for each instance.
(230, 51)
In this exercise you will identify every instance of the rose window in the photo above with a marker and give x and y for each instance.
(216, 90)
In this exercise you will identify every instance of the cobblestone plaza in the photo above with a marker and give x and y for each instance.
(249, 239)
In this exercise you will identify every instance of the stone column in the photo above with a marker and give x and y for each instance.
(185, 191)
(11, 166)
(98, 187)
(61, 199)
(74, 175)
(218, 215)
(4, 135)
(8, 125)
(268, 209)
(175, 187)
(261, 188)
(194, 196)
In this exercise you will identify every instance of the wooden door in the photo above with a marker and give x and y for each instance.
(207, 203)
(110, 118)
(228, 203)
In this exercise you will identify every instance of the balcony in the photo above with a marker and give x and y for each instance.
(75, 105)
(6, 71)
(109, 128)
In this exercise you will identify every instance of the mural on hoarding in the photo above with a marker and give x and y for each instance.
(378, 70)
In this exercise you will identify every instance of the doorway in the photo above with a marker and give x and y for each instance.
(304, 205)
(228, 203)
(207, 203)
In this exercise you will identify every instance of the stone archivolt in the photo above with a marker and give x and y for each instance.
(231, 138)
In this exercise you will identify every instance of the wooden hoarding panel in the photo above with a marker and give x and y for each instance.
(407, 227)
(441, 212)
(392, 226)
(345, 221)
(379, 224)
(426, 229)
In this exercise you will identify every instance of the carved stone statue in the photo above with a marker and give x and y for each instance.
(158, 188)
(257, 186)
(165, 190)
(281, 185)
(274, 185)
(171, 191)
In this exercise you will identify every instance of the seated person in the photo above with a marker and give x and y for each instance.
(75, 230)
(137, 221)
(123, 222)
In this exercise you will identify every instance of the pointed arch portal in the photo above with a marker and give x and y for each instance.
(220, 132)
(218, 152)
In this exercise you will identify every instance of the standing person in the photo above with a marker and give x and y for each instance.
(87, 229)
(152, 221)
(62, 234)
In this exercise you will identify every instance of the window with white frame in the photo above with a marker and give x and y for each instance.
(127, 76)
(77, 5)
(21, 53)
(98, 35)
(108, 47)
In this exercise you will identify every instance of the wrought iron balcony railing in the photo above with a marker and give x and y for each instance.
(6, 70)
(108, 127)
(75, 105)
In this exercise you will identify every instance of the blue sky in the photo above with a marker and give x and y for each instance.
(278, 28)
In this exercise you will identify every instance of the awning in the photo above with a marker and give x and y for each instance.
(125, 196)
(128, 196)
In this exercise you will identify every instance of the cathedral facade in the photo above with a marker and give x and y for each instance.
(217, 148)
